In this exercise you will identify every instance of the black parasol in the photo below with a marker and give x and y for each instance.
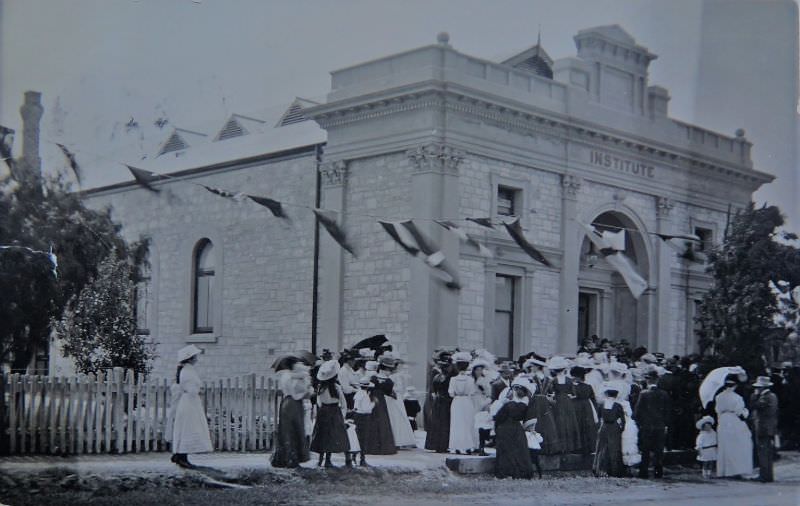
(288, 361)
(374, 343)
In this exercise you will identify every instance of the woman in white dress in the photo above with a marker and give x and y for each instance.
(401, 428)
(734, 440)
(462, 410)
(190, 429)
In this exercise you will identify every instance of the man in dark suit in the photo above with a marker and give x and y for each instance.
(651, 414)
(764, 416)
(503, 381)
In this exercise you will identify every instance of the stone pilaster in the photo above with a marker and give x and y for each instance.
(570, 245)
(661, 337)
(331, 315)
(433, 315)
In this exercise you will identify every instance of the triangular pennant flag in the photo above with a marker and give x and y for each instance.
(484, 222)
(274, 206)
(144, 178)
(334, 230)
(465, 237)
(224, 193)
(515, 231)
(678, 242)
(73, 163)
(622, 264)
(401, 236)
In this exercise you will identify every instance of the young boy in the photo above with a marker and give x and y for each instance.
(706, 445)
(534, 443)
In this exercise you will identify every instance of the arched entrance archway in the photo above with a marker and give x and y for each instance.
(606, 307)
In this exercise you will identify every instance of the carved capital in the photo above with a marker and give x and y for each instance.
(436, 157)
(663, 206)
(571, 185)
(333, 173)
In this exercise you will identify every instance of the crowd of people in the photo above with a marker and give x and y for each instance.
(622, 406)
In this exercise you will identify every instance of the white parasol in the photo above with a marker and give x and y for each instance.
(714, 381)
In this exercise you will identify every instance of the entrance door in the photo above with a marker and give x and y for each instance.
(587, 315)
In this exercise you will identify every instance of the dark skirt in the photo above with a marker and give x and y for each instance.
(587, 427)
(608, 458)
(379, 439)
(291, 447)
(365, 430)
(330, 434)
(437, 437)
(513, 460)
(566, 423)
(541, 409)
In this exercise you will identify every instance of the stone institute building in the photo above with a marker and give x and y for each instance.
(427, 134)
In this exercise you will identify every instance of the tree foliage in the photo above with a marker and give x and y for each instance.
(40, 213)
(99, 328)
(736, 314)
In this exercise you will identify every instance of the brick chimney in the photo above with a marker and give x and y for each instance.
(31, 112)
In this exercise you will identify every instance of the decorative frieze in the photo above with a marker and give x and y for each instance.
(571, 185)
(663, 206)
(436, 157)
(333, 173)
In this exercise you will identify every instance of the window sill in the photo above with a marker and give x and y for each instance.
(202, 338)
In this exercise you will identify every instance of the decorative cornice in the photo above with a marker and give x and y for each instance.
(663, 206)
(436, 157)
(333, 173)
(571, 185)
(555, 130)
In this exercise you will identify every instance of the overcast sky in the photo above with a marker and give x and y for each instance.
(100, 63)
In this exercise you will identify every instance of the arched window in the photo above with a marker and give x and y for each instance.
(203, 297)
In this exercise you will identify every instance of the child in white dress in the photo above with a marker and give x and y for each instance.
(706, 445)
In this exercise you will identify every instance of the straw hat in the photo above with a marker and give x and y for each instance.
(762, 382)
(462, 356)
(371, 365)
(328, 370)
(533, 362)
(479, 362)
(522, 381)
(366, 382)
(618, 367)
(188, 352)
(557, 363)
(706, 419)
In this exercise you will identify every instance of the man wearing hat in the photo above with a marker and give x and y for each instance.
(764, 416)
(503, 381)
(651, 414)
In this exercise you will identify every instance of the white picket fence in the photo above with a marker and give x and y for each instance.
(116, 412)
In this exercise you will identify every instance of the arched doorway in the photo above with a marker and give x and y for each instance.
(606, 307)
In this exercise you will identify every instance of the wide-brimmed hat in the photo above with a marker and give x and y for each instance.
(522, 381)
(366, 382)
(479, 362)
(388, 361)
(534, 361)
(762, 382)
(584, 362)
(608, 388)
(706, 419)
(462, 356)
(367, 353)
(328, 370)
(371, 365)
(557, 363)
(649, 358)
(618, 367)
(188, 352)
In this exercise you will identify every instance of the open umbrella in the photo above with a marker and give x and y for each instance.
(714, 381)
(287, 361)
(373, 343)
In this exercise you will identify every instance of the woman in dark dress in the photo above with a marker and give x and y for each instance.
(585, 412)
(541, 408)
(562, 391)
(512, 459)
(437, 437)
(381, 441)
(330, 434)
(608, 458)
(291, 447)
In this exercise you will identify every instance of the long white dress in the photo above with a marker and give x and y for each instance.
(190, 430)
(401, 428)
(734, 441)
(463, 435)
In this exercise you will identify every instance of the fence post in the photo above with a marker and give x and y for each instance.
(118, 407)
(250, 407)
